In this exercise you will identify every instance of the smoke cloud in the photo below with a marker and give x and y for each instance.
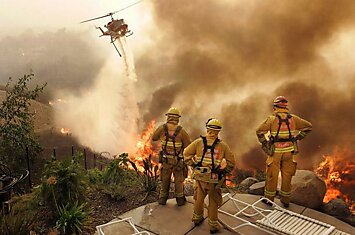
(162, 99)
(224, 59)
(93, 96)
(63, 59)
(331, 113)
(230, 59)
(104, 116)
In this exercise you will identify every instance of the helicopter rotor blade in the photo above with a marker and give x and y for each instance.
(126, 7)
(109, 14)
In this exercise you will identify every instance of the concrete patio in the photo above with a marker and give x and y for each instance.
(171, 219)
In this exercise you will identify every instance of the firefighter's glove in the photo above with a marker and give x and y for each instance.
(261, 138)
(268, 148)
(223, 164)
(220, 171)
(196, 164)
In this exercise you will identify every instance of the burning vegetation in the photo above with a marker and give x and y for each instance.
(144, 148)
(338, 172)
(65, 131)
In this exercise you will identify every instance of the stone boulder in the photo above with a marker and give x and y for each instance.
(308, 189)
(246, 183)
(257, 188)
(337, 207)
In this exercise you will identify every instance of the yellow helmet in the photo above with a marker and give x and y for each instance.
(173, 112)
(214, 124)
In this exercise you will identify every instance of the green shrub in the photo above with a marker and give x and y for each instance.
(149, 178)
(25, 203)
(117, 172)
(116, 192)
(260, 175)
(242, 174)
(72, 218)
(117, 179)
(113, 173)
(28, 206)
(94, 176)
(17, 122)
(63, 182)
(19, 224)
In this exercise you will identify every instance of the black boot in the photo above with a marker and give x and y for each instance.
(214, 230)
(266, 202)
(180, 201)
(162, 200)
(286, 205)
(198, 222)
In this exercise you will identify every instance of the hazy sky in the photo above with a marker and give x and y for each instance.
(17, 16)
(44, 14)
(221, 58)
(78, 59)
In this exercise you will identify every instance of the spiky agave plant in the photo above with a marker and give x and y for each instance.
(66, 181)
(149, 177)
(72, 218)
(20, 224)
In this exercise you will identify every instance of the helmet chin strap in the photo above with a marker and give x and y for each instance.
(280, 108)
(212, 134)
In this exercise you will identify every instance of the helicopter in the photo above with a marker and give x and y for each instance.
(116, 28)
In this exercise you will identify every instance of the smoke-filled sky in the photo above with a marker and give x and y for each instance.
(226, 59)
(229, 59)
(47, 38)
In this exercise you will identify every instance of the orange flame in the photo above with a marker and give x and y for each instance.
(144, 147)
(65, 130)
(59, 100)
(338, 172)
(230, 181)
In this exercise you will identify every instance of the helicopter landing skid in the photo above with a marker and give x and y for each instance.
(113, 43)
(129, 33)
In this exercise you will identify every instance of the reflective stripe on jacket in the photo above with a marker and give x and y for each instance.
(193, 154)
(182, 139)
(298, 126)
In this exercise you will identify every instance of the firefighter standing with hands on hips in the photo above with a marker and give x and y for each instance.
(211, 159)
(173, 138)
(284, 130)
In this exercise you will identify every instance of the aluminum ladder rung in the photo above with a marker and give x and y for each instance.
(338, 232)
(279, 220)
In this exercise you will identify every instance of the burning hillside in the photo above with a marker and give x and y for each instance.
(338, 172)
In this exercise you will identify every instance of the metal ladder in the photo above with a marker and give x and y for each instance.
(279, 220)
(129, 220)
(286, 222)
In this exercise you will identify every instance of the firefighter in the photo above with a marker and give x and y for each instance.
(284, 130)
(173, 138)
(211, 159)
